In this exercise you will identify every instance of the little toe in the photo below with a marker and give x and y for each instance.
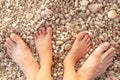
(16, 38)
(49, 31)
(10, 42)
(102, 48)
(9, 52)
(8, 46)
(81, 35)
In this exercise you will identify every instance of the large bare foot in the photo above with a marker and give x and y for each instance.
(97, 62)
(21, 54)
(44, 47)
(81, 46)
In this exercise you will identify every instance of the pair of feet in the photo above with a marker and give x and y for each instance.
(100, 59)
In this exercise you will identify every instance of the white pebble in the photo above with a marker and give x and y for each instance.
(95, 7)
(59, 42)
(112, 14)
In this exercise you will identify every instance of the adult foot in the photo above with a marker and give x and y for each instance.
(44, 45)
(81, 46)
(97, 62)
(21, 54)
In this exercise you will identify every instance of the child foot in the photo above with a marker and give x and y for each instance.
(97, 62)
(21, 54)
(44, 45)
(81, 46)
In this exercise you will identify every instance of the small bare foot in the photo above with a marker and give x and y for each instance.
(97, 62)
(81, 46)
(44, 45)
(21, 54)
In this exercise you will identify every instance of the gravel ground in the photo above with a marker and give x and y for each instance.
(100, 18)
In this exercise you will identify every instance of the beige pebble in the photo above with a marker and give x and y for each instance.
(67, 46)
(84, 2)
(59, 42)
(95, 7)
(112, 14)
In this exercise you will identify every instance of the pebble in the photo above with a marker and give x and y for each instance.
(68, 46)
(76, 3)
(95, 7)
(114, 7)
(100, 24)
(1, 55)
(59, 42)
(112, 14)
(84, 2)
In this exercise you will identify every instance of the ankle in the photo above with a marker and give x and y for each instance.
(68, 63)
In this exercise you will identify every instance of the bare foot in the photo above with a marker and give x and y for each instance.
(81, 46)
(97, 62)
(44, 45)
(21, 54)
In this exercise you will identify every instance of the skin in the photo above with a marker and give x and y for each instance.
(18, 50)
(100, 60)
(81, 46)
(97, 63)
(44, 47)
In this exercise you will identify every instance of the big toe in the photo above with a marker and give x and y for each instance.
(102, 48)
(16, 38)
(49, 31)
(81, 35)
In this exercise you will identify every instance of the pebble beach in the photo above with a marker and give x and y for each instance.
(99, 18)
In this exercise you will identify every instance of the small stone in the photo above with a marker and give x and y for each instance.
(114, 7)
(72, 12)
(57, 21)
(3, 78)
(1, 55)
(100, 24)
(67, 47)
(76, 3)
(83, 16)
(112, 14)
(59, 43)
(84, 2)
(95, 7)
(48, 11)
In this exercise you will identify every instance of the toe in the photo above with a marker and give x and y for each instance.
(9, 47)
(10, 42)
(43, 30)
(49, 31)
(88, 40)
(40, 31)
(37, 34)
(109, 52)
(16, 38)
(81, 35)
(102, 48)
(85, 38)
(89, 44)
(9, 52)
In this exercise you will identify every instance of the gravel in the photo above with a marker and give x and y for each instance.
(100, 18)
